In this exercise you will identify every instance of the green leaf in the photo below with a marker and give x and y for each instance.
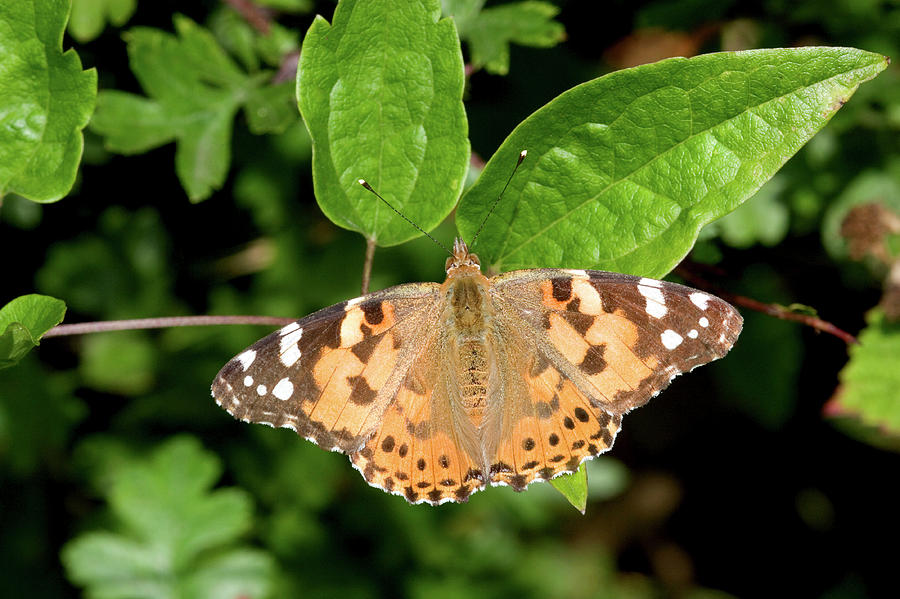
(23, 321)
(380, 91)
(761, 219)
(195, 90)
(527, 23)
(574, 487)
(89, 17)
(123, 362)
(46, 101)
(38, 412)
(623, 171)
(177, 534)
(870, 382)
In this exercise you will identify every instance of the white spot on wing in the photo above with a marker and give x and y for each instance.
(576, 273)
(693, 333)
(248, 380)
(701, 300)
(261, 390)
(247, 358)
(704, 322)
(354, 301)
(289, 328)
(650, 283)
(671, 339)
(656, 303)
(290, 357)
(284, 389)
(289, 348)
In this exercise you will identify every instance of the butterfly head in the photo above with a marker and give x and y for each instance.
(462, 261)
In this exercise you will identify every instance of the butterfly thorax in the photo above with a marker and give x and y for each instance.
(469, 314)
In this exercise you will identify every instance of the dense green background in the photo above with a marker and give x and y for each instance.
(120, 477)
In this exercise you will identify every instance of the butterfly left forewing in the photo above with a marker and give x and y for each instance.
(327, 376)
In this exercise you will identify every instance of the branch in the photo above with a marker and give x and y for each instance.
(161, 323)
(775, 310)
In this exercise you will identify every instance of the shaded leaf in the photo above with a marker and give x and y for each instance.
(46, 101)
(23, 321)
(38, 412)
(623, 171)
(870, 382)
(574, 487)
(89, 17)
(380, 91)
(171, 521)
(194, 91)
(527, 23)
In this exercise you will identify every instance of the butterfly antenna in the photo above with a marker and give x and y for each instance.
(365, 184)
(522, 155)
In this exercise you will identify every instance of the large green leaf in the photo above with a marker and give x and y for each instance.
(177, 535)
(23, 321)
(46, 101)
(623, 171)
(380, 90)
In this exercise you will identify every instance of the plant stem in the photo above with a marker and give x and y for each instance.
(367, 265)
(161, 323)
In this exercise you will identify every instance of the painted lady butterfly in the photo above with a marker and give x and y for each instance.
(434, 390)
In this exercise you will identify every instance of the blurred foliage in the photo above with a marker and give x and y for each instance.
(119, 476)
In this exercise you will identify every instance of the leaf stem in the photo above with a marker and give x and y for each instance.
(161, 323)
(367, 265)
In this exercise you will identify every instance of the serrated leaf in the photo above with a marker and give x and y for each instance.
(380, 91)
(23, 321)
(870, 382)
(46, 101)
(89, 17)
(623, 171)
(574, 487)
(527, 23)
(176, 533)
(194, 92)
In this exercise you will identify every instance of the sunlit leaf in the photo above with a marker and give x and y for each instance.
(380, 91)
(623, 171)
(23, 321)
(47, 100)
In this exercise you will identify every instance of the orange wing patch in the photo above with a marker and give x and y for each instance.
(415, 454)
(557, 429)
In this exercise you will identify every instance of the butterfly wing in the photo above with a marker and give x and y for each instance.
(424, 447)
(590, 346)
(330, 376)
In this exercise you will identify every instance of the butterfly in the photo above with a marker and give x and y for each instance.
(437, 390)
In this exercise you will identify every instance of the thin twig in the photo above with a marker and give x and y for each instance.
(258, 17)
(367, 265)
(775, 310)
(162, 323)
